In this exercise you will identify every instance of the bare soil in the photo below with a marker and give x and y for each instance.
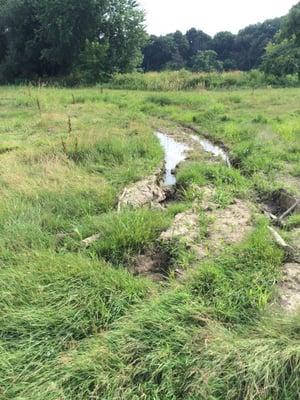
(226, 227)
(148, 192)
(290, 287)
(153, 264)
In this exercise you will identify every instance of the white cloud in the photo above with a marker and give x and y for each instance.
(212, 16)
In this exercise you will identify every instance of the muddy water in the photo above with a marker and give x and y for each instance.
(175, 153)
(209, 147)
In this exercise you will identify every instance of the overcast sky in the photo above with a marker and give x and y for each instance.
(211, 16)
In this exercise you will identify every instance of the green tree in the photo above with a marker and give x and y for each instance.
(206, 61)
(291, 24)
(92, 65)
(282, 58)
(124, 30)
(283, 55)
(166, 52)
(223, 44)
(64, 26)
(22, 51)
(198, 41)
(251, 42)
(48, 37)
(182, 44)
(158, 52)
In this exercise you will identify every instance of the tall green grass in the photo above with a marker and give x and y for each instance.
(186, 80)
(49, 304)
(122, 234)
(200, 339)
(74, 323)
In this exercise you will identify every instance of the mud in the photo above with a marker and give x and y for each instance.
(290, 288)
(148, 192)
(185, 227)
(154, 264)
(158, 188)
(279, 202)
(225, 226)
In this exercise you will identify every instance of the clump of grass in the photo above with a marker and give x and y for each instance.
(171, 348)
(125, 234)
(21, 228)
(49, 304)
(160, 100)
(257, 157)
(293, 222)
(260, 119)
(119, 159)
(238, 284)
(63, 296)
(228, 182)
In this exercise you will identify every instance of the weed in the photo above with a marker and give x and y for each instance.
(39, 105)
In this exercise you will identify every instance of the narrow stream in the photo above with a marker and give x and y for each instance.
(176, 152)
(209, 147)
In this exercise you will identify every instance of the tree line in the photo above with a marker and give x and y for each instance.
(198, 51)
(89, 41)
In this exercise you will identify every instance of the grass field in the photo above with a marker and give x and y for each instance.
(75, 323)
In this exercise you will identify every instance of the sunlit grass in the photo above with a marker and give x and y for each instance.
(75, 324)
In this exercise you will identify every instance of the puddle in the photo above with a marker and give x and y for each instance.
(209, 147)
(175, 153)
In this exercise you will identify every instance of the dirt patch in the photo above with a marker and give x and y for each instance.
(227, 227)
(295, 243)
(185, 226)
(154, 264)
(231, 224)
(224, 226)
(147, 192)
(290, 287)
(280, 201)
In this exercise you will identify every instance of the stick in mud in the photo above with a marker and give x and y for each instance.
(289, 211)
